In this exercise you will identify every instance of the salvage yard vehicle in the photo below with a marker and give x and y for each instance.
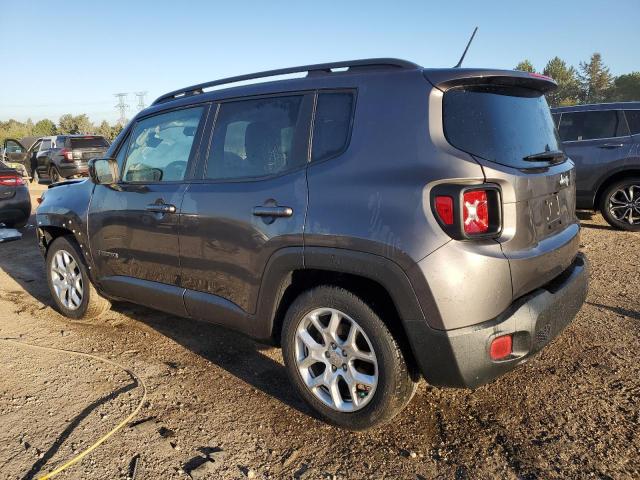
(378, 220)
(15, 202)
(15, 154)
(58, 157)
(604, 142)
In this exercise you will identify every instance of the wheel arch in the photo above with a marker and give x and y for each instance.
(380, 282)
(610, 179)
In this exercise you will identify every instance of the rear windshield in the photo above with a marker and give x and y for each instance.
(500, 124)
(87, 142)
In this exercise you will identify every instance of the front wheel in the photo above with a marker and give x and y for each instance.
(69, 283)
(343, 360)
(620, 204)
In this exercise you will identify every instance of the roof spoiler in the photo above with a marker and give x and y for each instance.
(310, 69)
(444, 79)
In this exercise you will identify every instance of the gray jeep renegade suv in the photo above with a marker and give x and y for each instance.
(378, 220)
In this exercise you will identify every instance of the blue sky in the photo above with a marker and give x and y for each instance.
(72, 56)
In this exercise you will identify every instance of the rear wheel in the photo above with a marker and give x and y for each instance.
(54, 175)
(620, 204)
(69, 283)
(343, 360)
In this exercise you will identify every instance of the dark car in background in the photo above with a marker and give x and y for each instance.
(57, 157)
(603, 140)
(15, 202)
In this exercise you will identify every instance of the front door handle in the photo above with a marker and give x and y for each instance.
(161, 208)
(272, 211)
(611, 145)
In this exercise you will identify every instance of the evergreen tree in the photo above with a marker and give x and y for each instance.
(525, 66)
(595, 80)
(568, 91)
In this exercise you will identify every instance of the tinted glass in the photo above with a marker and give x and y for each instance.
(332, 124)
(254, 138)
(46, 144)
(591, 125)
(13, 147)
(88, 142)
(161, 145)
(556, 118)
(501, 124)
(633, 119)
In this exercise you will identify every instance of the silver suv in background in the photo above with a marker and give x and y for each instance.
(603, 140)
(378, 220)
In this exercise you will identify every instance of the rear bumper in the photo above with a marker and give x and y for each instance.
(460, 357)
(17, 208)
(73, 170)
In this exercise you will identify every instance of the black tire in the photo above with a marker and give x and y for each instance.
(610, 192)
(92, 304)
(395, 386)
(54, 175)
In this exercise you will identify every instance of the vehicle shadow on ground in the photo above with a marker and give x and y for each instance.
(619, 310)
(231, 351)
(21, 260)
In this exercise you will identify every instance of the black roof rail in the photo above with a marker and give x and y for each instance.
(320, 67)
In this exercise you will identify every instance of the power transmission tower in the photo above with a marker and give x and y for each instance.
(141, 96)
(122, 106)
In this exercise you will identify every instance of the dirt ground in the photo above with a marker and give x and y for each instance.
(220, 405)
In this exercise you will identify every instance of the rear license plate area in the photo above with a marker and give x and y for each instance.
(552, 211)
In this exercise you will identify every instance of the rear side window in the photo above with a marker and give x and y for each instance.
(88, 142)
(160, 146)
(46, 144)
(500, 124)
(332, 125)
(261, 137)
(633, 119)
(576, 126)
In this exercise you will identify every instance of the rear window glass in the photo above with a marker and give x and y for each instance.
(576, 126)
(88, 142)
(633, 119)
(332, 124)
(500, 124)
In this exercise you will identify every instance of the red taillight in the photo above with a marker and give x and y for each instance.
(475, 212)
(11, 180)
(501, 347)
(67, 154)
(444, 207)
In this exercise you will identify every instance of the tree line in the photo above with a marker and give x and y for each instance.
(591, 82)
(67, 125)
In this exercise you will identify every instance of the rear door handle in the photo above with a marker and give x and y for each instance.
(611, 145)
(272, 211)
(161, 208)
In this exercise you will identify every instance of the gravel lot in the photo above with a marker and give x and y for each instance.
(220, 406)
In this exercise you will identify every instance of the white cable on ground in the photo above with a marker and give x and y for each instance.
(104, 438)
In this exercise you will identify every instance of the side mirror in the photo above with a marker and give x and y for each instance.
(103, 171)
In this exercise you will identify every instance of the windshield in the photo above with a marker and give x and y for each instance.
(500, 124)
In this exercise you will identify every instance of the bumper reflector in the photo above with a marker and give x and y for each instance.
(501, 347)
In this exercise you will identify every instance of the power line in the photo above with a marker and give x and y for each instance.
(141, 96)
(122, 106)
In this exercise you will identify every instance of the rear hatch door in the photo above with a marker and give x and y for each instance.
(502, 119)
(87, 147)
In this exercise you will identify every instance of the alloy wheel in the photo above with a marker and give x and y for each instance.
(624, 204)
(336, 359)
(66, 279)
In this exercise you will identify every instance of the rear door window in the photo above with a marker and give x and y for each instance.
(500, 124)
(46, 144)
(259, 137)
(591, 125)
(332, 124)
(633, 119)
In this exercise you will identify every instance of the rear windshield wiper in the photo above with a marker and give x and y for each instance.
(553, 156)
